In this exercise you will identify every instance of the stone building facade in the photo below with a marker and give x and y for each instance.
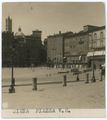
(55, 48)
(33, 48)
(97, 46)
(28, 48)
(76, 48)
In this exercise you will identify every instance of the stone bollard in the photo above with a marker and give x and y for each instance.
(65, 81)
(87, 78)
(34, 84)
(77, 77)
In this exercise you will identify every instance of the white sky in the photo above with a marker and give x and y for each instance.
(51, 18)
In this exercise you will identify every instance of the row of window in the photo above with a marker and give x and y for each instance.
(97, 45)
(95, 36)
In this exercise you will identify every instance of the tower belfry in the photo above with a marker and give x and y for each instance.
(8, 24)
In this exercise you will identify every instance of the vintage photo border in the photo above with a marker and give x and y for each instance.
(31, 113)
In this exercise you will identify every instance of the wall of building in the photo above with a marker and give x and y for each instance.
(33, 47)
(97, 43)
(97, 39)
(55, 46)
(76, 48)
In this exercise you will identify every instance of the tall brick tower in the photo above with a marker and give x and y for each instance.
(8, 24)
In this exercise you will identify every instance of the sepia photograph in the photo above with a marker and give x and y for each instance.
(53, 59)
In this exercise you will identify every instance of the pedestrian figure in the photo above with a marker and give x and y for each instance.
(77, 76)
(102, 72)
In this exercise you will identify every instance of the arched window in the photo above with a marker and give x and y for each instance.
(90, 38)
(95, 35)
(101, 35)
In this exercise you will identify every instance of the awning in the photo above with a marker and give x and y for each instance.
(96, 53)
(89, 54)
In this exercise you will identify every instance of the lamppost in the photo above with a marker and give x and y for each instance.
(64, 61)
(12, 89)
(93, 73)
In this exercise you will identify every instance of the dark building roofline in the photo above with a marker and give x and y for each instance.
(8, 32)
(84, 33)
(97, 29)
(36, 31)
(91, 26)
(60, 34)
